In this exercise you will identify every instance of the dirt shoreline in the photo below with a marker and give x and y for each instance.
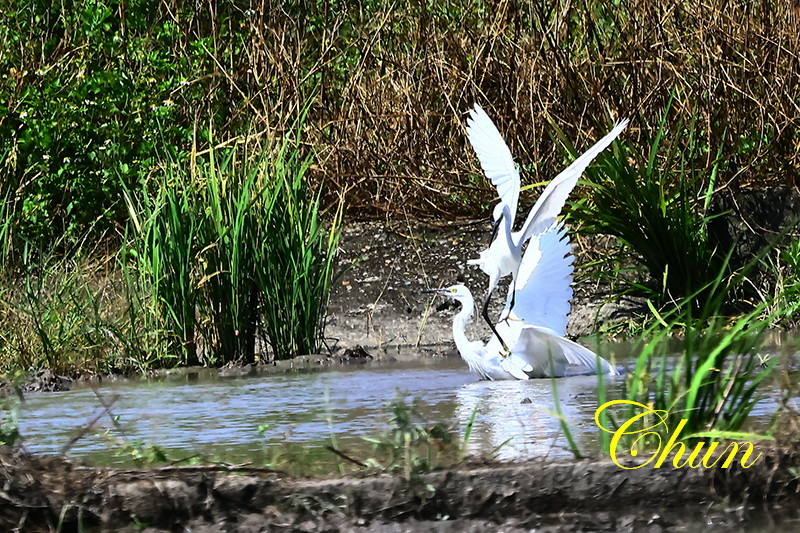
(378, 301)
(38, 492)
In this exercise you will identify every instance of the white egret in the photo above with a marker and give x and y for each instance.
(536, 326)
(504, 254)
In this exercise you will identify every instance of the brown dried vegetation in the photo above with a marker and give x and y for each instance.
(391, 84)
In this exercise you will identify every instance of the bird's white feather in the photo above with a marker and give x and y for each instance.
(539, 352)
(518, 368)
(533, 332)
(504, 253)
(548, 348)
(494, 156)
(547, 207)
(535, 351)
(543, 283)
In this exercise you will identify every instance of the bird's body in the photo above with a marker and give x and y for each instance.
(530, 343)
(504, 254)
(534, 351)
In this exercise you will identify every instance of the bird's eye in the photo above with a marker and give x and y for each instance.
(453, 291)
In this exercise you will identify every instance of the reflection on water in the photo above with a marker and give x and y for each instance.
(235, 420)
(519, 419)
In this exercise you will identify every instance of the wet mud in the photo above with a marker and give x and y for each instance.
(48, 493)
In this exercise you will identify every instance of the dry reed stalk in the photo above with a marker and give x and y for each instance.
(391, 84)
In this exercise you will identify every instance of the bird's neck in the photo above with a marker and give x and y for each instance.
(466, 348)
(460, 322)
(508, 220)
(505, 231)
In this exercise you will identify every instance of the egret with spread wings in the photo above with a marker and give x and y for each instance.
(504, 254)
(535, 326)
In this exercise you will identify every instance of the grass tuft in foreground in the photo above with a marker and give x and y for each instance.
(410, 446)
(709, 387)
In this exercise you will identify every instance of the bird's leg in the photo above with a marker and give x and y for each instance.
(485, 315)
(495, 228)
(513, 298)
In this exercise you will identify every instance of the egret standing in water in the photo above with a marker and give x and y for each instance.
(535, 327)
(504, 254)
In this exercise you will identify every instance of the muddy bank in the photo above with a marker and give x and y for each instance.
(378, 300)
(48, 381)
(38, 492)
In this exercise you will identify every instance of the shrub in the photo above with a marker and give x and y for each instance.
(656, 203)
(91, 88)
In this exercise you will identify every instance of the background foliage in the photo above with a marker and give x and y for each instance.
(91, 89)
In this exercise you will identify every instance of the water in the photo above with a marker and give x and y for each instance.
(238, 419)
(246, 420)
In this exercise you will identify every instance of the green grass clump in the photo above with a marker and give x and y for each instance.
(61, 314)
(268, 258)
(296, 259)
(232, 250)
(413, 447)
(711, 383)
(158, 258)
(656, 202)
(235, 193)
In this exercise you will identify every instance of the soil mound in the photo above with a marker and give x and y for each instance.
(48, 493)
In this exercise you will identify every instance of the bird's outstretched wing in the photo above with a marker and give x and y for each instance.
(495, 157)
(549, 205)
(549, 354)
(543, 284)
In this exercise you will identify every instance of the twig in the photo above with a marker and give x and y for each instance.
(345, 456)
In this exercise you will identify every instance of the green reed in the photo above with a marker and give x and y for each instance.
(711, 383)
(234, 196)
(656, 202)
(232, 249)
(158, 258)
(296, 258)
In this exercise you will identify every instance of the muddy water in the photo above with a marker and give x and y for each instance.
(253, 419)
